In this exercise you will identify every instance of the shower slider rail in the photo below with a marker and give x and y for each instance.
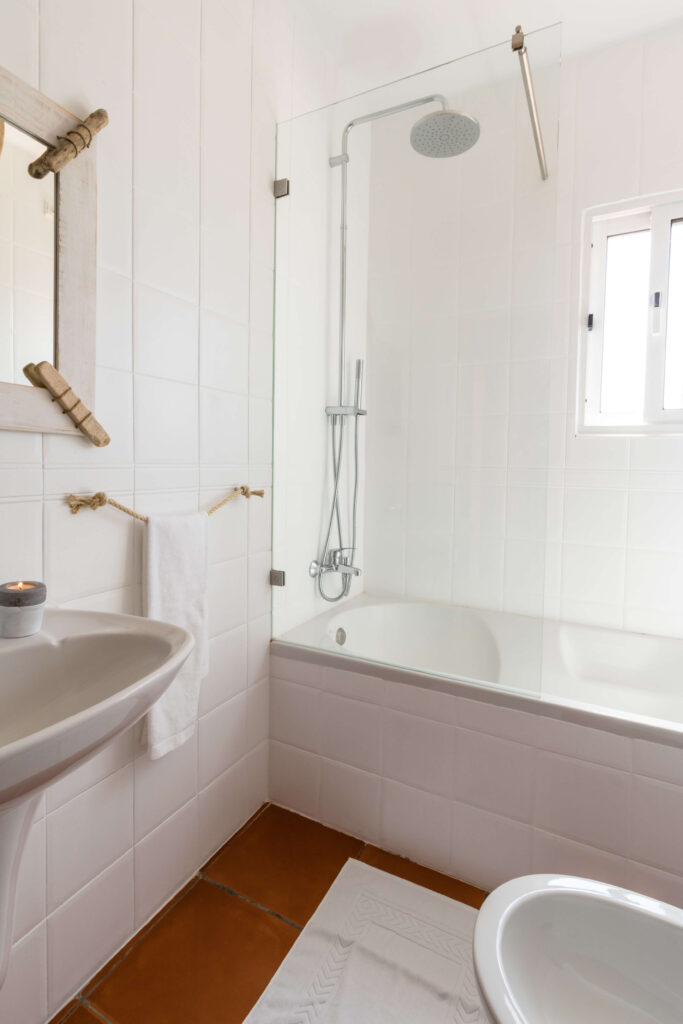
(345, 410)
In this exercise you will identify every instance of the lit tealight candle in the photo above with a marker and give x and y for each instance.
(22, 604)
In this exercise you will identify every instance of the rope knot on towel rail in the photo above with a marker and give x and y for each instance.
(93, 501)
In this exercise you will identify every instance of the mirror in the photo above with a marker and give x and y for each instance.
(48, 234)
(27, 257)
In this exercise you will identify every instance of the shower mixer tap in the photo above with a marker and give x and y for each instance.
(336, 561)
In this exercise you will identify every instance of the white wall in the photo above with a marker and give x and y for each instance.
(615, 553)
(185, 258)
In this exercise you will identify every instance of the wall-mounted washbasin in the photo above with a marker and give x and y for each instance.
(64, 694)
(553, 949)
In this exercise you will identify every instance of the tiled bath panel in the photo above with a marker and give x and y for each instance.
(480, 792)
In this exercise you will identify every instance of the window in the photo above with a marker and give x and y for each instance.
(631, 357)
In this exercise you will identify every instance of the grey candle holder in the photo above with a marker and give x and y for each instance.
(22, 605)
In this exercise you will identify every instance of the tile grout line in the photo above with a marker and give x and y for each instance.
(246, 899)
(117, 959)
(144, 932)
(94, 1012)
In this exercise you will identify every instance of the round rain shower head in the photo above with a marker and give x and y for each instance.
(444, 133)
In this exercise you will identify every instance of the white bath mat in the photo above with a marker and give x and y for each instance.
(378, 950)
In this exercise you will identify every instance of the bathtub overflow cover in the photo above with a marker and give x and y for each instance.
(340, 636)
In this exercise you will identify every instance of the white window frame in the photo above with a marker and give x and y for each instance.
(656, 213)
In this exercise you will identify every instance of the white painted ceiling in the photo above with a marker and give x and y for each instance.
(375, 41)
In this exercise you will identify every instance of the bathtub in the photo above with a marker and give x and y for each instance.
(627, 683)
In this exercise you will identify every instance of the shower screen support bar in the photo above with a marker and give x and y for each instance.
(519, 47)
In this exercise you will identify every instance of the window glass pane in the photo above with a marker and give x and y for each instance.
(627, 285)
(673, 374)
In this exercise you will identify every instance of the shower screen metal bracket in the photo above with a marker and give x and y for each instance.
(519, 47)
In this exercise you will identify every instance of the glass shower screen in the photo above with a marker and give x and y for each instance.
(449, 304)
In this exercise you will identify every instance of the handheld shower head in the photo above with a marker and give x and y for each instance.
(444, 133)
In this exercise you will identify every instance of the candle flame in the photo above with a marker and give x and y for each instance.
(20, 586)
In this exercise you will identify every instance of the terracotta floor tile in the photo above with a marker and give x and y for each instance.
(423, 876)
(284, 862)
(206, 961)
(64, 1012)
(103, 971)
(83, 1016)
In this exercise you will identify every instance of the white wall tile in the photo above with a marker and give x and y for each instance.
(21, 540)
(416, 824)
(494, 774)
(350, 800)
(227, 670)
(114, 756)
(224, 353)
(658, 761)
(487, 849)
(30, 906)
(222, 738)
(593, 573)
(258, 649)
(165, 421)
(295, 714)
(24, 994)
(164, 860)
(595, 517)
(579, 741)
(87, 554)
(166, 335)
(656, 824)
(258, 714)
(114, 320)
(227, 594)
(88, 834)
(258, 768)
(223, 808)
(165, 246)
(224, 428)
(295, 777)
(349, 731)
(583, 802)
(553, 853)
(88, 928)
(418, 752)
(162, 786)
(259, 589)
(166, 93)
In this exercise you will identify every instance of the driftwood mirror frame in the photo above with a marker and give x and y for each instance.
(25, 407)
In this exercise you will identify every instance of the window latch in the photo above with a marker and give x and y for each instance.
(590, 322)
(656, 313)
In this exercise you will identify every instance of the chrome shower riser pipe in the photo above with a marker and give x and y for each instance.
(342, 160)
(334, 560)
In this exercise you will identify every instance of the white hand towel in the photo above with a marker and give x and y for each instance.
(175, 592)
